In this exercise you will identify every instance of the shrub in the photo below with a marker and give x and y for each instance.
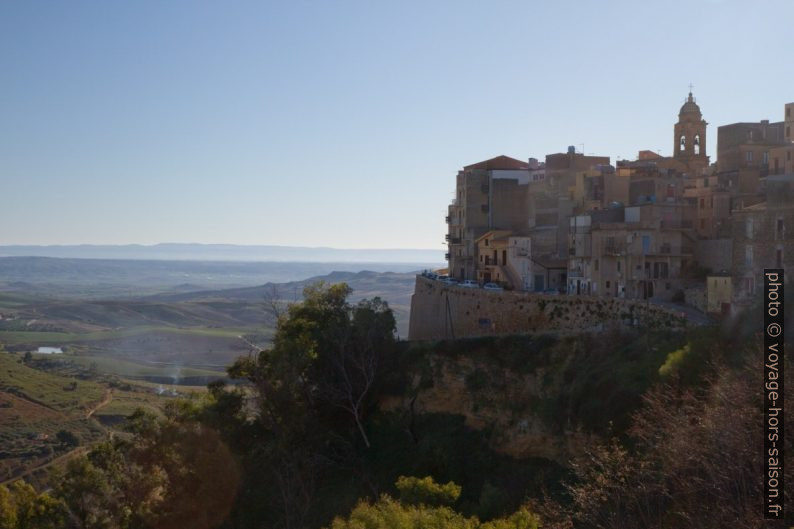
(425, 491)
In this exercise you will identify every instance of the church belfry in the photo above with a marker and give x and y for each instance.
(690, 135)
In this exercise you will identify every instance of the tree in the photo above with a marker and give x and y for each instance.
(351, 364)
(314, 386)
(67, 438)
(21, 507)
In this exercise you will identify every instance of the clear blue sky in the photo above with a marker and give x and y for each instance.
(343, 123)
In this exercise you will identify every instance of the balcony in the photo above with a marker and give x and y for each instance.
(575, 272)
(446, 256)
(448, 219)
(615, 248)
(452, 239)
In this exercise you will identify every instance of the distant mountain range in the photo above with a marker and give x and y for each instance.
(227, 252)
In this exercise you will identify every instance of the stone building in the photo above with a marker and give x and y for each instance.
(636, 252)
(711, 200)
(744, 157)
(489, 195)
(505, 258)
(763, 236)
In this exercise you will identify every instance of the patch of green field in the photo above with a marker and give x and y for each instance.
(61, 393)
(124, 368)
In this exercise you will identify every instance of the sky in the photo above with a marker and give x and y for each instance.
(343, 124)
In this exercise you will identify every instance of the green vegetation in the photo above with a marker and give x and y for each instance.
(413, 511)
(65, 394)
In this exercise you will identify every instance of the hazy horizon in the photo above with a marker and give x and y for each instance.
(229, 252)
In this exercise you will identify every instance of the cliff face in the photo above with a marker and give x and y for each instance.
(440, 311)
(505, 411)
(538, 396)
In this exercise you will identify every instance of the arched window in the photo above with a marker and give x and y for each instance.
(697, 144)
(682, 143)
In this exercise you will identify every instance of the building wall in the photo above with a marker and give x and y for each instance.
(714, 254)
(719, 292)
(519, 262)
(781, 160)
(736, 139)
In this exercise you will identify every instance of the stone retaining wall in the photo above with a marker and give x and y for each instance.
(440, 311)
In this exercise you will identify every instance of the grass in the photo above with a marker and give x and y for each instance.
(52, 390)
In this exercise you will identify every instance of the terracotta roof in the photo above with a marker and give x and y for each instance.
(500, 162)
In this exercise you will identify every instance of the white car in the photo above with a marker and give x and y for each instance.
(492, 286)
(470, 283)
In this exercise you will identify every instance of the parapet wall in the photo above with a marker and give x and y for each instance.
(440, 311)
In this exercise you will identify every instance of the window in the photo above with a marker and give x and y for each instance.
(748, 228)
(618, 266)
(765, 158)
(749, 156)
(748, 255)
(682, 144)
(705, 182)
(702, 203)
(595, 265)
(780, 228)
(696, 143)
(702, 224)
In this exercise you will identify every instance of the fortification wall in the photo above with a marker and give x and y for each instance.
(440, 311)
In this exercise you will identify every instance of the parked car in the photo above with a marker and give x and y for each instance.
(492, 286)
(449, 280)
(470, 283)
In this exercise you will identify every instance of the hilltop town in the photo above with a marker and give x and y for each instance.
(662, 229)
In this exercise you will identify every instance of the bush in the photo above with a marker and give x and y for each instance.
(425, 491)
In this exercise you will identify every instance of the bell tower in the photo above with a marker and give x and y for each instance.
(689, 145)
